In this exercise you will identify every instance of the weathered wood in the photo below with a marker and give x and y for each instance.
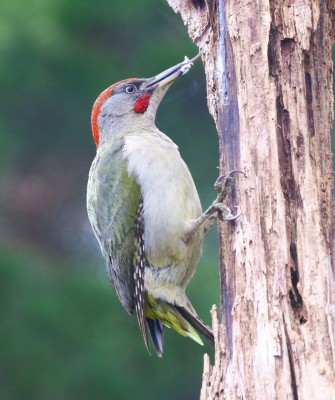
(269, 80)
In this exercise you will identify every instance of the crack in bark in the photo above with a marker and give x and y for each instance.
(227, 305)
(199, 4)
(309, 102)
(284, 49)
(295, 297)
(229, 134)
(291, 362)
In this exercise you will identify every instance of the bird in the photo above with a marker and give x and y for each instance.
(145, 210)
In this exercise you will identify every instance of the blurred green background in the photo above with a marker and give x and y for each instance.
(63, 333)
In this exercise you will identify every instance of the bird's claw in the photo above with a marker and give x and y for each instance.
(232, 217)
(224, 181)
(225, 213)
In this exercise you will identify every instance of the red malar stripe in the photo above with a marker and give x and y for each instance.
(142, 103)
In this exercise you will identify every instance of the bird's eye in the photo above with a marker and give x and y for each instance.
(130, 89)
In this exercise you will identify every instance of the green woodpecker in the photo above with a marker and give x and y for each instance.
(145, 210)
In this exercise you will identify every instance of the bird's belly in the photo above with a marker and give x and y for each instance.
(167, 209)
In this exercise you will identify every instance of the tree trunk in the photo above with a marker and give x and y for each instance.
(269, 80)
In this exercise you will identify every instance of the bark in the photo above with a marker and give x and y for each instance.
(269, 81)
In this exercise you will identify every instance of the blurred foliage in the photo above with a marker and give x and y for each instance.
(64, 334)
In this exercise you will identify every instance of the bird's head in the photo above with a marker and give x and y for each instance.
(132, 102)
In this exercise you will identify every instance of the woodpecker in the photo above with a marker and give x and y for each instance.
(145, 210)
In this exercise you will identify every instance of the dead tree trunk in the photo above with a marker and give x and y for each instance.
(269, 79)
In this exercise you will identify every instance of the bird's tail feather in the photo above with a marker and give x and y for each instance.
(181, 320)
(197, 324)
(156, 329)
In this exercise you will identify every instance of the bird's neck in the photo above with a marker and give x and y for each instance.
(120, 127)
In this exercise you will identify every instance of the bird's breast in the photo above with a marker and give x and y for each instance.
(169, 196)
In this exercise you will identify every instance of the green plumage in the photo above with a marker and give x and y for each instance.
(112, 207)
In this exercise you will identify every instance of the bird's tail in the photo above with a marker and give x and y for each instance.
(185, 322)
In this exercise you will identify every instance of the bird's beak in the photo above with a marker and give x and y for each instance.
(171, 74)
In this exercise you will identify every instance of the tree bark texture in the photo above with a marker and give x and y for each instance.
(269, 80)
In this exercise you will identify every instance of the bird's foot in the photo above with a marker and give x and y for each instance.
(222, 185)
(218, 209)
(225, 213)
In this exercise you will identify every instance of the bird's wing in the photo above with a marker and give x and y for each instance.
(113, 202)
(139, 263)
